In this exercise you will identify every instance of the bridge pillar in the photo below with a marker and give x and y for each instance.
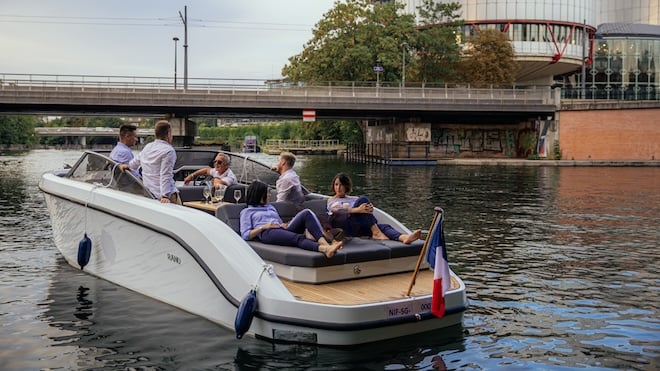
(83, 141)
(184, 131)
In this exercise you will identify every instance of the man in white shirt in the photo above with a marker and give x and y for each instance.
(221, 173)
(157, 161)
(288, 184)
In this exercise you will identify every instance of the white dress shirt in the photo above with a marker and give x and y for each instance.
(157, 161)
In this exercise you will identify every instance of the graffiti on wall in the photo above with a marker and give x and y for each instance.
(456, 140)
(418, 132)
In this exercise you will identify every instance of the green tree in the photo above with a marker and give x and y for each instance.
(350, 39)
(436, 44)
(17, 129)
(488, 59)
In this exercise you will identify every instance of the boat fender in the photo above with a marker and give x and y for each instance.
(245, 313)
(84, 251)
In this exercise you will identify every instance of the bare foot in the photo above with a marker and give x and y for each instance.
(410, 238)
(323, 241)
(330, 250)
(379, 236)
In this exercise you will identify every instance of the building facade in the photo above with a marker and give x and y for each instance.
(552, 38)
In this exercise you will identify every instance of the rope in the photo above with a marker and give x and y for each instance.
(265, 268)
(95, 186)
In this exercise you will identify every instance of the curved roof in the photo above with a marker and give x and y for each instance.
(628, 29)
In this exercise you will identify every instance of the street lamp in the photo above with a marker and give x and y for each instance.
(175, 41)
(184, 19)
(403, 65)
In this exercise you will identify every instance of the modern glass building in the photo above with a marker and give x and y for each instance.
(623, 65)
(615, 42)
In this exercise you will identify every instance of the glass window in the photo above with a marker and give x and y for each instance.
(534, 32)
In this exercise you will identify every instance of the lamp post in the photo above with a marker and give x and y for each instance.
(184, 19)
(403, 64)
(175, 52)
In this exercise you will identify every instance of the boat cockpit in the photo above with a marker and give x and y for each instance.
(360, 257)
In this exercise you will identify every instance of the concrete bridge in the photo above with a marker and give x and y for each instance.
(145, 96)
(419, 122)
(87, 132)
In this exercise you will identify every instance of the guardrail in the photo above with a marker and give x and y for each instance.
(82, 131)
(96, 84)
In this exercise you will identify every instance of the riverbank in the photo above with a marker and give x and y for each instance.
(443, 161)
(556, 163)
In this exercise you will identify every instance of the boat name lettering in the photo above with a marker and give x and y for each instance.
(399, 310)
(173, 258)
(425, 307)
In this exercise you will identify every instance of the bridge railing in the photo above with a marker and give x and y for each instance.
(302, 143)
(96, 84)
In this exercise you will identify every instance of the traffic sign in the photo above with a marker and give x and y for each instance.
(378, 68)
(309, 115)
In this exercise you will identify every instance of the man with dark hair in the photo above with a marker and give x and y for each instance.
(157, 161)
(288, 184)
(122, 152)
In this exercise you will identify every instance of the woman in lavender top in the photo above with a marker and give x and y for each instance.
(355, 214)
(261, 220)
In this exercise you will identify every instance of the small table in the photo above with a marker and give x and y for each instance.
(209, 207)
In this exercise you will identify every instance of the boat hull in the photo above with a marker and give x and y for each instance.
(193, 261)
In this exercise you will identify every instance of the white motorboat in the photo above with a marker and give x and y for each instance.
(106, 223)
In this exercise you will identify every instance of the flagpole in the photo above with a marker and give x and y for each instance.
(423, 252)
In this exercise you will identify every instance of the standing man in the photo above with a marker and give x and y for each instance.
(157, 161)
(122, 153)
(221, 173)
(288, 184)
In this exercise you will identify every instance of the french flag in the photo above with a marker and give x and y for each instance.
(437, 258)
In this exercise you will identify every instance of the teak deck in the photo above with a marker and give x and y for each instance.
(365, 290)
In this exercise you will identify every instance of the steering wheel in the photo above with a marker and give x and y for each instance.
(200, 180)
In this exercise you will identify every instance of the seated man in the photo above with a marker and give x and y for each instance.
(221, 173)
(288, 184)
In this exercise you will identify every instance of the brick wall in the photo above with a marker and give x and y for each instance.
(623, 134)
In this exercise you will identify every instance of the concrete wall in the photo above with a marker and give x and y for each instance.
(605, 134)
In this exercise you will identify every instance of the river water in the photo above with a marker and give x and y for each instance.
(561, 267)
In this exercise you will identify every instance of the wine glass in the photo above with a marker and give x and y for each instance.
(207, 194)
(219, 192)
(237, 195)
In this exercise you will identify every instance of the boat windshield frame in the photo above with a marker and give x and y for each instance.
(246, 168)
(95, 167)
(100, 170)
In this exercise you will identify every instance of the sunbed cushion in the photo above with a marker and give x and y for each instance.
(355, 250)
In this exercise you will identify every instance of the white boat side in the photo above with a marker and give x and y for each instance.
(194, 261)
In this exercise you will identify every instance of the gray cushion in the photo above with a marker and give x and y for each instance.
(355, 250)
(230, 214)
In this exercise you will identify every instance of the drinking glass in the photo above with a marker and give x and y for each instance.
(237, 195)
(207, 194)
(219, 193)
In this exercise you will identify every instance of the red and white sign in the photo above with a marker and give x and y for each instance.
(309, 115)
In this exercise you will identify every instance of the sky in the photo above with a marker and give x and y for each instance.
(227, 39)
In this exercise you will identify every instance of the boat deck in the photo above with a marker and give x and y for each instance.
(365, 290)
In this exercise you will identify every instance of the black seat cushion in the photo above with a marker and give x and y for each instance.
(229, 193)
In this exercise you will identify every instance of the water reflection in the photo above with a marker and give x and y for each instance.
(96, 324)
(102, 325)
(12, 184)
(416, 352)
(560, 265)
